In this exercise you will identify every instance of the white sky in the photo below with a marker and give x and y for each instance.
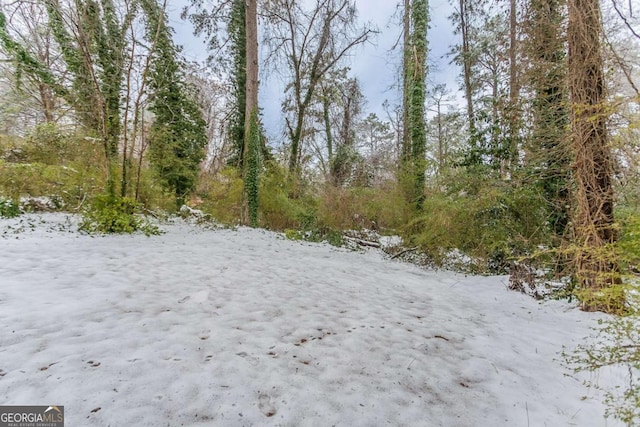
(374, 64)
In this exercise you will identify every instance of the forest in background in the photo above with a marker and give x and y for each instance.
(535, 174)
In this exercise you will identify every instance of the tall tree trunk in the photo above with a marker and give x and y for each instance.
(466, 65)
(251, 153)
(440, 139)
(418, 94)
(238, 34)
(251, 19)
(514, 89)
(550, 151)
(406, 81)
(596, 267)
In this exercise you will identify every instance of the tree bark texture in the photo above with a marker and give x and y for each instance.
(593, 160)
(251, 153)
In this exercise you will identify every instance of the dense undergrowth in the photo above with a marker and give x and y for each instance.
(493, 223)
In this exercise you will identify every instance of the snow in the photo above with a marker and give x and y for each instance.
(242, 327)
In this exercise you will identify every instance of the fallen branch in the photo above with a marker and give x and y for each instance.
(402, 252)
(364, 242)
(84, 197)
(150, 212)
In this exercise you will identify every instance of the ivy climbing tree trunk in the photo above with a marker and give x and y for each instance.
(415, 96)
(596, 267)
(420, 17)
(238, 36)
(92, 39)
(406, 82)
(251, 153)
(549, 153)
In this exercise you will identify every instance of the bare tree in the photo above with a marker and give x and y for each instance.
(311, 42)
(32, 97)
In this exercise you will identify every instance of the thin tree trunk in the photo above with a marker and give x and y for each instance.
(126, 161)
(514, 88)
(440, 139)
(143, 147)
(48, 102)
(327, 126)
(466, 64)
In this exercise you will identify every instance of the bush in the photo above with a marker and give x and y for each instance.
(46, 144)
(221, 196)
(72, 184)
(110, 214)
(493, 227)
(279, 211)
(377, 208)
(8, 208)
(629, 243)
(12, 149)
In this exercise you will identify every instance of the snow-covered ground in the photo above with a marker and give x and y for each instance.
(245, 328)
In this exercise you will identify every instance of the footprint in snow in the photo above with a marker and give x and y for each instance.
(253, 361)
(265, 405)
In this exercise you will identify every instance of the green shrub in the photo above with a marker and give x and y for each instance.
(278, 210)
(292, 234)
(493, 227)
(8, 208)
(221, 196)
(151, 194)
(379, 208)
(72, 184)
(12, 149)
(629, 243)
(46, 144)
(109, 214)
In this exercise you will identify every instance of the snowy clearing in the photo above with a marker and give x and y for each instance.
(246, 328)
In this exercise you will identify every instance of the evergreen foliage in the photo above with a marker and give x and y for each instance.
(238, 38)
(113, 214)
(550, 161)
(8, 208)
(178, 133)
(93, 49)
(25, 62)
(416, 76)
(253, 170)
(495, 225)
